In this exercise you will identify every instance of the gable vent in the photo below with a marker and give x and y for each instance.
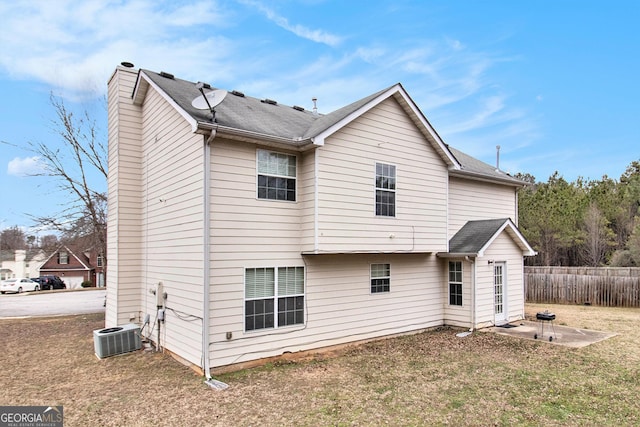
(237, 93)
(269, 101)
(297, 107)
(167, 75)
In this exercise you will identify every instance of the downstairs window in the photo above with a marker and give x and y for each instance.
(274, 297)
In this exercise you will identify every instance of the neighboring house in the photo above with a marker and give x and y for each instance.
(275, 229)
(21, 263)
(75, 266)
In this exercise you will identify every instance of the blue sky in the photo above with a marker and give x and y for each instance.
(554, 83)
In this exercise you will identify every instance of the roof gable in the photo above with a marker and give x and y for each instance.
(82, 259)
(475, 237)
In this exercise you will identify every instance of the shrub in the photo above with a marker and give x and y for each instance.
(86, 284)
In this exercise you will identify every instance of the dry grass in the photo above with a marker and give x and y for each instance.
(432, 378)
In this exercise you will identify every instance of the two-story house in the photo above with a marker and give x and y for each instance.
(75, 266)
(275, 229)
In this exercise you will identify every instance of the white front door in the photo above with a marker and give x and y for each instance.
(499, 293)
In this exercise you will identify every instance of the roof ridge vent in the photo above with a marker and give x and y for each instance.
(237, 93)
(269, 101)
(297, 107)
(167, 75)
(206, 85)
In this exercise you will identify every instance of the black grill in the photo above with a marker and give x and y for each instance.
(544, 317)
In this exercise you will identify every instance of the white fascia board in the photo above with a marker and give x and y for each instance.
(398, 90)
(513, 231)
(319, 139)
(427, 126)
(141, 88)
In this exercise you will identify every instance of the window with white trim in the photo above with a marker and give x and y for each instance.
(385, 190)
(455, 283)
(380, 278)
(274, 297)
(276, 176)
(63, 257)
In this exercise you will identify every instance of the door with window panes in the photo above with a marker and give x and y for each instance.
(500, 293)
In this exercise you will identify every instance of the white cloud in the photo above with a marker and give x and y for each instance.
(27, 166)
(318, 36)
(74, 46)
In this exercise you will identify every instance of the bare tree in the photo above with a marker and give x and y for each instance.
(12, 238)
(598, 237)
(82, 154)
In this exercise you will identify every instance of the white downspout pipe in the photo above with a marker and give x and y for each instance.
(206, 265)
(473, 292)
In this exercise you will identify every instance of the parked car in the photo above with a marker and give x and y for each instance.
(50, 282)
(18, 285)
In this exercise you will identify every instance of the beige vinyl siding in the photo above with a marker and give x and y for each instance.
(471, 200)
(124, 207)
(458, 315)
(246, 232)
(339, 306)
(346, 195)
(172, 196)
(306, 194)
(503, 248)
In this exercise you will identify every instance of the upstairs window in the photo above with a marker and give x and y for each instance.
(63, 257)
(99, 261)
(276, 176)
(455, 283)
(385, 190)
(380, 278)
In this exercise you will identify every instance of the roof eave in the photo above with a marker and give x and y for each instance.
(456, 254)
(206, 128)
(476, 176)
(140, 91)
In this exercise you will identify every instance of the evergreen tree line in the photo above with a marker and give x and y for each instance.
(582, 223)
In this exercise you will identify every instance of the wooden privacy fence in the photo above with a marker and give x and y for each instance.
(603, 286)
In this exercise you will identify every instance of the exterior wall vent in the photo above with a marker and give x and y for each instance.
(119, 340)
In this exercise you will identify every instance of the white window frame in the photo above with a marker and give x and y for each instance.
(387, 267)
(455, 282)
(275, 175)
(388, 190)
(277, 297)
(61, 259)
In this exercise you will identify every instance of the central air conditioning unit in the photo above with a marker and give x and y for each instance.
(119, 340)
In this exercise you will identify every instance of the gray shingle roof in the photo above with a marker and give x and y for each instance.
(474, 235)
(473, 166)
(253, 115)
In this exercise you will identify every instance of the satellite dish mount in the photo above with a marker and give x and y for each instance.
(208, 100)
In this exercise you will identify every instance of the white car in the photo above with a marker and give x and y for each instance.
(18, 285)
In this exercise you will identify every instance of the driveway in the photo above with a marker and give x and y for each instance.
(52, 303)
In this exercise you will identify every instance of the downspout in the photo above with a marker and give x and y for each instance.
(316, 242)
(473, 292)
(206, 265)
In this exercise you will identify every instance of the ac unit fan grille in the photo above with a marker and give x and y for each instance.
(114, 341)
